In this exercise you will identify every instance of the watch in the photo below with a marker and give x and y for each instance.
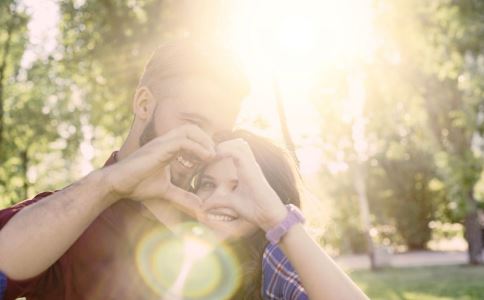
(294, 216)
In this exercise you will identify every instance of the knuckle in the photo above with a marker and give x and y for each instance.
(240, 143)
(183, 130)
(189, 127)
(192, 128)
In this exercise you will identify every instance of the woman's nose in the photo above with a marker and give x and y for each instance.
(219, 196)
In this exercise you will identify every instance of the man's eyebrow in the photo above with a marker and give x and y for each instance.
(195, 116)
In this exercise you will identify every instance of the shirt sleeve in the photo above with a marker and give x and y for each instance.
(8, 213)
(12, 289)
(280, 280)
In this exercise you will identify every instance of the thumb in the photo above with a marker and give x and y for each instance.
(184, 200)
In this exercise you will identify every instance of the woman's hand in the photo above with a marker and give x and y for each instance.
(254, 199)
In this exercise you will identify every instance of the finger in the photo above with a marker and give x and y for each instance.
(186, 201)
(192, 132)
(197, 135)
(174, 146)
(235, 145)
(244, 160)
(237, 149)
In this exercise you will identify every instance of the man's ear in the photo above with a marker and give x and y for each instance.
(143, 103)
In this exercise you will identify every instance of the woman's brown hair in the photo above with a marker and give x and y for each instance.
(280, 171)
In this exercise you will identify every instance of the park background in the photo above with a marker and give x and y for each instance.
(382, 103)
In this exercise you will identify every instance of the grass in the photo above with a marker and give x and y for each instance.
(423, 283)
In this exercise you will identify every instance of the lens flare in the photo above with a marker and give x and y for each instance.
(187, 263)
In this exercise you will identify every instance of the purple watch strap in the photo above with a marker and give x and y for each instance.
(293, 217)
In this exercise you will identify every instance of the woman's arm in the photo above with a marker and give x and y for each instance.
(319, 274)
(256, 201)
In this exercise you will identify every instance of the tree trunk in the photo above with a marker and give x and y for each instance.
(472, 232)
(25, 168)
(283, 121)
(360, 186)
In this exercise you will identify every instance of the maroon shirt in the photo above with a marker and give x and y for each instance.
(99, 265)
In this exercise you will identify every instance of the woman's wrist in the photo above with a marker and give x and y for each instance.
(273, 217)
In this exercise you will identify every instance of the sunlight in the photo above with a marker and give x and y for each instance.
(301, 34)
(187, 263)
(297, 36)
(43, 29)
(294, 43)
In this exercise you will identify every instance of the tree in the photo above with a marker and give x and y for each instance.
(453, 94)
(12, 46)
(38, 120)
(438, 56)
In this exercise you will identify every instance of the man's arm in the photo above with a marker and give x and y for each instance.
(39, 234)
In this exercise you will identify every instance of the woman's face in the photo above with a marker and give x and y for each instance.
(217, 188)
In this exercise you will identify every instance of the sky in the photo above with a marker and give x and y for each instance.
(42, 28)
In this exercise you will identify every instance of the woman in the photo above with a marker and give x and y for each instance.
(246, 196)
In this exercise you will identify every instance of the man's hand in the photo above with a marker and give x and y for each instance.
(39, 234)
(145, 174)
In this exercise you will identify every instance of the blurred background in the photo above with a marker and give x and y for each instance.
(381, 102)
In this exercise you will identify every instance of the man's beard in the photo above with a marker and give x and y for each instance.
(148, 134)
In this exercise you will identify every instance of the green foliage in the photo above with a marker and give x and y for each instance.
(343, 231)
(105, 45)
(12, 46)
(454, 96)
(401, 196)
(80, 93)
(423, 119)
(436, 80)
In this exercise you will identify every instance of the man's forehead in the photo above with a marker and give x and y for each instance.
(205, 107)
(204, 99)
(189, 87)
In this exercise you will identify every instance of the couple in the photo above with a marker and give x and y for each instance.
(80, 242)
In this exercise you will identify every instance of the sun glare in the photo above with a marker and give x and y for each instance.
(187, 263)
(296, 37)
(300, 33)
(294, 43)
(42, 28)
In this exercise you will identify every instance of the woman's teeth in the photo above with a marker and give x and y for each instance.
(186, 163)
(220, 218)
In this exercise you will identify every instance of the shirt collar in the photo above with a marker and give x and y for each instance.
(113, 158)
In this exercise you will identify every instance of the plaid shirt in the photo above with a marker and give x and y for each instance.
(3, 285)
(280, 281)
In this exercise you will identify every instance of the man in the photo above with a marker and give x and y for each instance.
(79, 242)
